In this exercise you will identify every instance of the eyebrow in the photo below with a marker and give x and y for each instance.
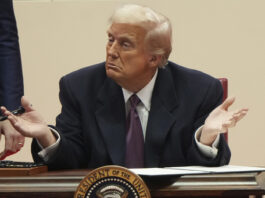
(124, 36)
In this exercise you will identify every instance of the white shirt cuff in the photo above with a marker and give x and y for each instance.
(208, 151)
(47, 153)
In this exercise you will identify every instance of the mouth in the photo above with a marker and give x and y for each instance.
(111, 66)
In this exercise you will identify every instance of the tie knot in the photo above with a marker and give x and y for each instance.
(134, 100)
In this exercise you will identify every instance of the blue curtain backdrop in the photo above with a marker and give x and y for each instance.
(11, 78)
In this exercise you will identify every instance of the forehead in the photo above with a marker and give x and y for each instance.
(123, 30)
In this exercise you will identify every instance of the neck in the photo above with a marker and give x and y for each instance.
(135, 85)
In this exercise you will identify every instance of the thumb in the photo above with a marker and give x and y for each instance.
(26, 104)
(227, 103)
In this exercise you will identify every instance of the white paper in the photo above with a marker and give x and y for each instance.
(221, 169)
(192, 170)
(163, 171)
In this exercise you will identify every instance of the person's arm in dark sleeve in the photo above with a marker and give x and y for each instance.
(11, 79)
(212, 99)
(70, 153)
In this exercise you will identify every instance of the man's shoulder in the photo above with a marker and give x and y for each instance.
(184, 74)
(88, 71)
(93, 72)
(193, 84)
(90, 76)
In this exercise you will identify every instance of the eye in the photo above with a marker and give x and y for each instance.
(110, 39)
(126, 44)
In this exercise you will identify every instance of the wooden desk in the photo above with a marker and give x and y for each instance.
(61, 184)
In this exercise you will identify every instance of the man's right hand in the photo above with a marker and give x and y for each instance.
(31, 124)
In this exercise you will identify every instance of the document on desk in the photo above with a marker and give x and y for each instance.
(164, 171)
(194, 170)
(222, 169)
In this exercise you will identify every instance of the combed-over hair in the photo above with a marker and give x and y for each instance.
(158, 27)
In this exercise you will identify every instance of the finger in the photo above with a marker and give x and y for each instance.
(239, 116)
(14, 144)
(13, 119)
(2, 108)
(17, 146)
(240, 110)
(5, 111)
(15, 123)
(9, 143)
(18, 123)
(11, 137)
(20, 142)
(26, 104)
(9, 115)
(227, 103)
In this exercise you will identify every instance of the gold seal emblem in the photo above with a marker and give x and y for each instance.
(112, 182)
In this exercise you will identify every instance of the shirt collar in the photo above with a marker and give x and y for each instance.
(145, 94)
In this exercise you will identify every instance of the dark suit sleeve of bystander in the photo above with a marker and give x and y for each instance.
(11, 80)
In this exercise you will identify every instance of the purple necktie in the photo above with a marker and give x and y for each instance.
(134, 139)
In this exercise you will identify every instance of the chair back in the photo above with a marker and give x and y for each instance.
(224, 83)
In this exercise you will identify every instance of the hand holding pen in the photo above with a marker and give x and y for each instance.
(30, 123)
(18, 111)
(18, 124)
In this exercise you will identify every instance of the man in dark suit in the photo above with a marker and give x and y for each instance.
(11, 80)
(180, 114)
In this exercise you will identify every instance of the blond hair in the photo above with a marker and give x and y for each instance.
(159, 31)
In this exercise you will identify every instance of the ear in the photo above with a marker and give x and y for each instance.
(155, 60)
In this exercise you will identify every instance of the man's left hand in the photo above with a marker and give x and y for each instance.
(219, 120)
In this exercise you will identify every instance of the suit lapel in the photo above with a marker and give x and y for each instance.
(110, 115)
(164, 101)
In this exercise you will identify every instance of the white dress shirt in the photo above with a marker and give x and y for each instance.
(143, 109)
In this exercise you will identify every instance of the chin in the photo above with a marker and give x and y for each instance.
(111, 73)
(114, 75)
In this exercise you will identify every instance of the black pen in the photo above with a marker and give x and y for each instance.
(18, 111)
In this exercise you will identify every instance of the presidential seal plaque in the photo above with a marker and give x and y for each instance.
(112, 182)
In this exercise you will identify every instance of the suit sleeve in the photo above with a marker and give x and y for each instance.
(11, 79)
(212, 99)
(71, 153)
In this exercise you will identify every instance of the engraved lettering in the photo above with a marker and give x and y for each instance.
(125, 175)
(138, 186)
(80, 196)
(115, 172)
(91, 178)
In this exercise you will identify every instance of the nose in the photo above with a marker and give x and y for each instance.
(112, 50)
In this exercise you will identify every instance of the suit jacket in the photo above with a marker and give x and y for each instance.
(92, 120)
(11, 80)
